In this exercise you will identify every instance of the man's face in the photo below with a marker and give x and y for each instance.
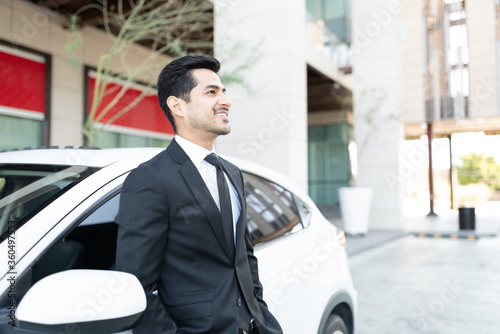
(208, 108)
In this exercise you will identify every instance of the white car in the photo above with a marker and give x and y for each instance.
(58, 239)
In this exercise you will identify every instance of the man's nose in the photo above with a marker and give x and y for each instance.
(225, 101)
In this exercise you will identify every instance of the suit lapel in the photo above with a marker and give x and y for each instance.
(234, 176)
(197, 186)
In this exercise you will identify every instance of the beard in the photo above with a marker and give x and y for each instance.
(208, 124)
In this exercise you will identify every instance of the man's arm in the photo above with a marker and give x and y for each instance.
(252, 261)
(142, 228)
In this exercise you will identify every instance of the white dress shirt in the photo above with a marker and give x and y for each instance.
(208, 173)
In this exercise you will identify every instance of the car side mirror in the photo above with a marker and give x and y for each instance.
(83, 301)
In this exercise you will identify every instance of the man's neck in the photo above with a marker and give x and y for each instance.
(207, 144)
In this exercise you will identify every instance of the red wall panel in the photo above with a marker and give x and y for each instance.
(22, 83)
(146, 115)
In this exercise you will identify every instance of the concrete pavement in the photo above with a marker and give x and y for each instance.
(427, 285)
(411, 284)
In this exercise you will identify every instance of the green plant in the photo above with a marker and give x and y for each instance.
(373, 115)
(165, 27)
(478, 169)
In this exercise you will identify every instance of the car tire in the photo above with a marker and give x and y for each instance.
(335, 325)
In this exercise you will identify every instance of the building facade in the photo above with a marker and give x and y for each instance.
(45, 96)
(332, 88)
(413, 70)
(299, 118)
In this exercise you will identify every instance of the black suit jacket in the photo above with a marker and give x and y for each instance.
(170, 236)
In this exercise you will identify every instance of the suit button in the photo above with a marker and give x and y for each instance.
(237, 269)
(239, 302)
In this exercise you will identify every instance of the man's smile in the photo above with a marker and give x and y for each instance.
(222, 112)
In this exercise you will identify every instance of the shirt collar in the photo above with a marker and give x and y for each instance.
(195, 152)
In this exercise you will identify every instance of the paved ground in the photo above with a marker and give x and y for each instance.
(424, 285)
(410, 284)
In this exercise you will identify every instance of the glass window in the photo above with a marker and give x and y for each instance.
(459, 82)
(24, 97)
(314, 10)
(458, 50)
(26, 189)
(335, 9)
(271, 210)
(97, 235)
(108, 139)
(16, 132)
(329, 28)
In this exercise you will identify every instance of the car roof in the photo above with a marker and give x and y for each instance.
(75, 157)
(105, 157)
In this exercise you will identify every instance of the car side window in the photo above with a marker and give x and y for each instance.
(90, 245)
(271, 210)
(25, 189)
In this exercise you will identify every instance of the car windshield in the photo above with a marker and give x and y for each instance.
(26, 189)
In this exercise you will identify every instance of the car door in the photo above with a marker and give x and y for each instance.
(53, 248)
(301, 261)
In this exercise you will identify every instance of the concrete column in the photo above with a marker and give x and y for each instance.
(378, 127)
(413, 54)
(481, 21)
(67, 93)
(269, 125)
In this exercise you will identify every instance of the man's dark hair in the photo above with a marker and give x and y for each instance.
(177, 80)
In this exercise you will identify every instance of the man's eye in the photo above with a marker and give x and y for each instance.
(211, 92)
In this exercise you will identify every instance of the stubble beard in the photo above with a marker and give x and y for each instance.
(207, 126)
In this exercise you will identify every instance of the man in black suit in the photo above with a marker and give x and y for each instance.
(182, 219)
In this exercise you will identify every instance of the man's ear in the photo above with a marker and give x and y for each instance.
(176, 106)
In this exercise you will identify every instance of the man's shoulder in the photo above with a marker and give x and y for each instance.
(157, 172)
(157, 161)
(157, 166)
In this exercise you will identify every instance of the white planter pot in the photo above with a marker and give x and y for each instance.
(355, 204)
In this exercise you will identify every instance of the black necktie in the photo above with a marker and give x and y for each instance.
(224, 199)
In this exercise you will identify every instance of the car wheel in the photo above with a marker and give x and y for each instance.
(335, 325)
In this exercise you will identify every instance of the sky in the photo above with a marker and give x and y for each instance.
(476, 142)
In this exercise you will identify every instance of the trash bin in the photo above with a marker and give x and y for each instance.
(467, 218)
